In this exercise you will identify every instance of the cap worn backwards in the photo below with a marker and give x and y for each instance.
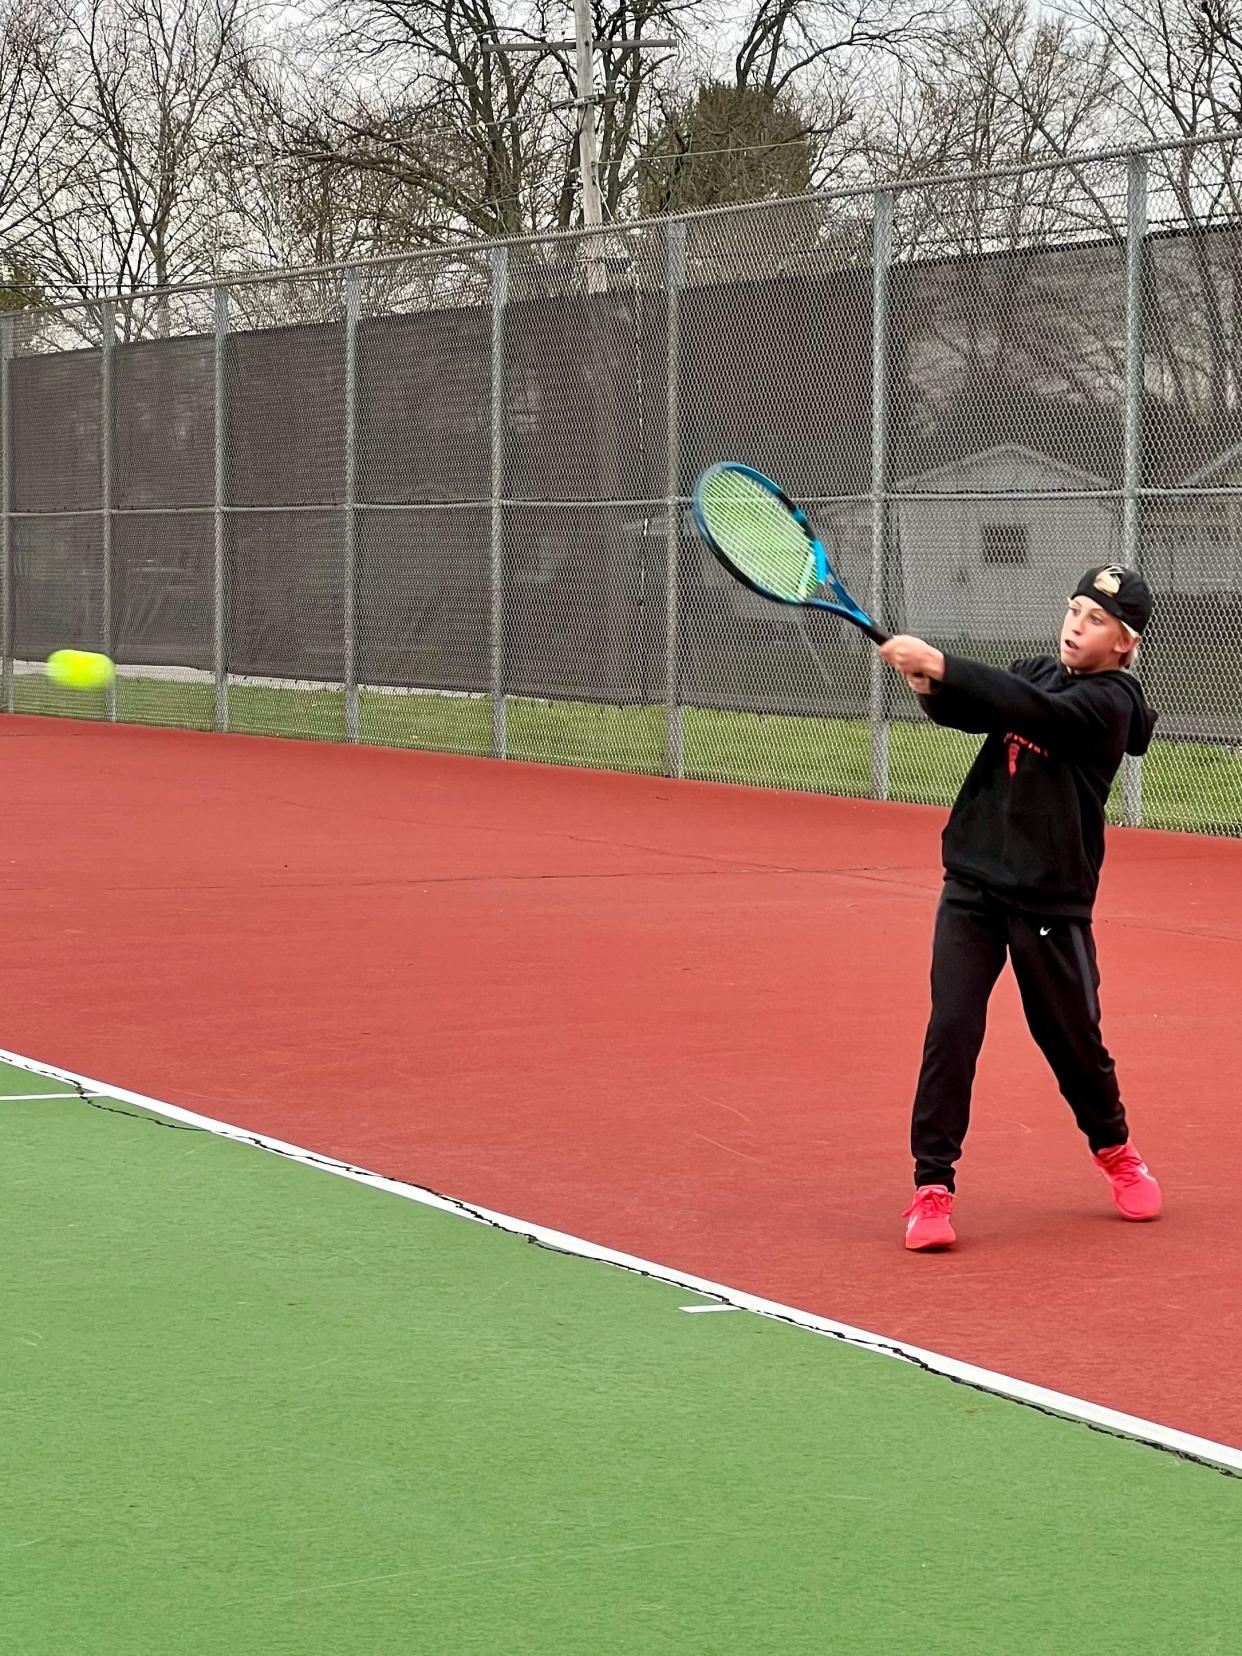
(1123, 593)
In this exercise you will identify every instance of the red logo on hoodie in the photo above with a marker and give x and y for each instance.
(1016, 745)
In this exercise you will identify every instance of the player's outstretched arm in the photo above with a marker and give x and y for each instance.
(1095, 708)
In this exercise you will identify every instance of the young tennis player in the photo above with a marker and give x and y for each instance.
(1022, 854)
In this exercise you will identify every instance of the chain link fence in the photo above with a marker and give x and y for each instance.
(441, 501)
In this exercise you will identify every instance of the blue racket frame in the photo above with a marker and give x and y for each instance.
(840, 603)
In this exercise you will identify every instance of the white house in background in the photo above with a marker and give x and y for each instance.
(997, 569)
(1193, 543)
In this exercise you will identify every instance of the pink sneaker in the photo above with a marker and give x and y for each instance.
(929, 1215)
(1135, 1192)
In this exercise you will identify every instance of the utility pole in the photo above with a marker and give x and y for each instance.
(588, 151)
(583, 43)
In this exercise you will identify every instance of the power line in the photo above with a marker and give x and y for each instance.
(622, 46)
(652, 158)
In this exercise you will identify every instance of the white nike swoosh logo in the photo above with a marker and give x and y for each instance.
(1044, 931)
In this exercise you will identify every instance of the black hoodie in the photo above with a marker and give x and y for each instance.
(1028, 824)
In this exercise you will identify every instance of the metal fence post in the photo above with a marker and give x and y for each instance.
(353, 307)
(500, 294)
(7, 601)
(1132, 528)
(107, 329)
(674, 717)
(220, 557)
(881, 254)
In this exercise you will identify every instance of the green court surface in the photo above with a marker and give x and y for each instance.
(253, 1407)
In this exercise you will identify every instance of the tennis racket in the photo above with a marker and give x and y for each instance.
(765, 541)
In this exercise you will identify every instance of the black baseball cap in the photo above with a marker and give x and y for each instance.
(1122, 592)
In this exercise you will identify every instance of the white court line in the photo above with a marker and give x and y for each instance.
(1113, 1421)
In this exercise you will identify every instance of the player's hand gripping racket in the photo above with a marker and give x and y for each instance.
(763, 539)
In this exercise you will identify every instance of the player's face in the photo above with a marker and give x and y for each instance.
(1092, 640)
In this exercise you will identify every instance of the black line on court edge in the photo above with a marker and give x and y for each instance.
(884, 1347)
(115, 1109)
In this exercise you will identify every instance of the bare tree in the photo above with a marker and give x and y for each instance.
(1177, 63)
(479, 140)
(992, 86)
(285, 195)
(785, 40)
(147, 99)
(28, 126)
(463, 136)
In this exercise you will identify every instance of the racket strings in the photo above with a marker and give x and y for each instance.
(760, 536)
(768, 544)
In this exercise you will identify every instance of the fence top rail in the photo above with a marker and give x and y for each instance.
(479, 249)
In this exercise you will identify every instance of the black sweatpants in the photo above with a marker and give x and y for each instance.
(1054, 963)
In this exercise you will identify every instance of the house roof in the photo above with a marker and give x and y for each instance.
(1215, 465)
(1048, 462)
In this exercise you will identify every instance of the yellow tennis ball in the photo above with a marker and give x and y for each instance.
(80, 669)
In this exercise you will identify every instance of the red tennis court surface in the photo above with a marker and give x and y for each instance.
(679, 1019)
